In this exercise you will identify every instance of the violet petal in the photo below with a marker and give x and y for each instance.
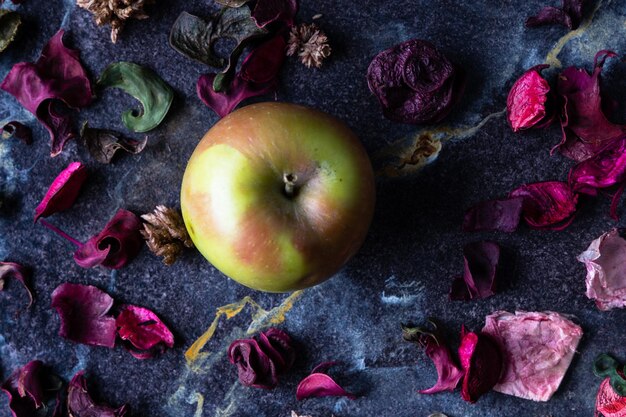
(15, 271)
(269, 11)
(25, 389)
(527, 100)
(144, 330)
(494, 215)
(115, 246)
(320, 385)
(481, 360)
(569, 15)
(17, 130)
(63, 190)
(278, 346)
(254, 367)
(83, 311)
(80, 403)
(479, 273)
(549, 204)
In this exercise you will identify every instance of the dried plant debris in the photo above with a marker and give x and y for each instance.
(320, 384)
(63, 191)
(115, 12)
(530, 102)
(80, 403)
(17, 130)
(9, 25)
(165, 233)
(15, 271)
(143, 331)
(309, 43)
(103, 144)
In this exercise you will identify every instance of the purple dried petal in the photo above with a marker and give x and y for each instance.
(277, 345)
(144, 330)
(527, 101)
(80, 403)
(25, 389)
(264, 62)
(479, 272)
(63, 191)
(15, 271)
(605, 169)
(320, 385)
(83, 311)
(17, 130)
(415, 83)
(482, 362)
(269, 11)
(549, 204)
(569, 15)
(115, 246)
(254, 367)
(494, 215)
(56, 76)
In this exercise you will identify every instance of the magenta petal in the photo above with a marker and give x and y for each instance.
(117, 244)
(80, 403)
(480, 272)
(527, 100)
(494, 215)
(269, 11)
(605, 169)
(278, 346)
(264, 62)
(320, 385)
(448, 373)
(482, 362)
(63, 191)
(225, 102)
(549, 204)
(83, 311)
(569, 15)
(144, 330)
(15, 271)
(25, 389)
(254, 367)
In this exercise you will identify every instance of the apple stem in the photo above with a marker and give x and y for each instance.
(290, 184)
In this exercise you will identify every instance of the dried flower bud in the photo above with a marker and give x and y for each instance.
(115, 12)
(309, 43)
(165, 233)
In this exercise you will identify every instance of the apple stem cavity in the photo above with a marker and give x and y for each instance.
(290, 184)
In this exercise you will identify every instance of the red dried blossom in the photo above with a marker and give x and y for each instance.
(144, 331)
(80, 403)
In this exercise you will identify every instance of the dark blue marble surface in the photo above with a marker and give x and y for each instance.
(402, 272)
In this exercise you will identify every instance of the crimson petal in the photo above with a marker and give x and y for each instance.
(569, 15)
(482, 362)
(494, 215)
(16, 271)
(320, 385)
(80, 403)
(83, 311)
(549, 204)
(63, 190)
(25, 389)
(269, 11)
(144, 330)
(254, 367)
(479, 273)
(527, 101)
(605, 169)
(279, 347)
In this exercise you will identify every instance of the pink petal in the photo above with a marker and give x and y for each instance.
(320, 385)
(608, 402)
(16, 271)
(63, 191)
(80, 403)
(605, 169)
(448, 374)
(549, 204)
(481, 360)
(527, 100)
(144, 330)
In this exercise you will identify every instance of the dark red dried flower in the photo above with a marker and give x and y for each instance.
(63, 190)
(479, 272)
(83, 310)
(25, 389)
(17, 130)
(269, 11)
(15, 271)
(549, 204)
(482, 362)
(145, 332)
(56, 79)
(569, 15)
(320, 384)
(605, 169)
(494, 215)
(526, 105)
(80, 403)
(415, 83)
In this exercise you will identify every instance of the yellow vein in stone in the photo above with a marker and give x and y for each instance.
(551, 57)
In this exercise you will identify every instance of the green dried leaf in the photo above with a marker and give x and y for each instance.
(9, 25)
(103, 144)
(232, 3)
(605, 366)
(146, 86)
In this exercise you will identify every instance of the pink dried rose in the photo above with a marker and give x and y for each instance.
(569, 15)
(267, 12)
(146, 334)
(538, 347)
(480, 271)
(320, 384)
(527, 105)
(63, 190)
(481, 360)
(114, 247)
(608, 402)
(259, 362)
(83, 310)
(547, 205)
(494, 215)
(27, 389)
(80, 403)
(15, 271)
(605, 260)
(56, 80)
(586, 130)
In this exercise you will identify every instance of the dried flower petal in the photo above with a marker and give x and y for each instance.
(104, 144)
(26, 388)
(309, 43)
(586, 130)
(608, 402)
(320, 385)
(80, 403)
(115, 13)
(269, 11)
(165, 233)
(549, 204)
(10, 23)
(57, 78)
(528, 99)
(606, 366)
(83, 311)
(481, 360)
(15, 271)
(146, 86)
(537, 347)
(494, 215)
(17, 130)
(63, 191)
(605, 260)
(448, 373)
(278, 346)
(569, 15)
(605, 169)
(415, 83)
(144, 330)
(479, 272)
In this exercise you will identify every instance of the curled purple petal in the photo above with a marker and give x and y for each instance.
(549, 204)
(83, 311)
(278, 346)
(479, 273)
(15, 271)
(482, 362)
(25, 389)
(144, 331)
(254, 367)
(80, 403)
(269, 11)
(17, 130)
(63, 190)
(605, 169)
(569, 15)
(56, 76)
(494, 215)
(527, 102)
(115, 246)
(320, 385)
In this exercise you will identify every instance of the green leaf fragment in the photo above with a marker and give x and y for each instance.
(146, 86)
(605, 366)
(9, 25)
(232, 3)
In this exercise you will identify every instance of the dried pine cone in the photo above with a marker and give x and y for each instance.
(165, 233)
(310, 43)
(115, 12)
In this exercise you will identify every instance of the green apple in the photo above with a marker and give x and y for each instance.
(278, 196)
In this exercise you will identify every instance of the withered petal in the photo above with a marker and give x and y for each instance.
(320, 385)
(482, 362)
(526, 104)
(143, 329)
(18, 272)
(80, 403)
(63, 191)
(480, 272)
(494, 215)
(547, 205)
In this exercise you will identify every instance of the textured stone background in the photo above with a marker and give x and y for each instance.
(402, 272)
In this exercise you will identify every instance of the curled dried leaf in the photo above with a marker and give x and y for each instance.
(9, 25)
(103, 144)
(17, 130)
(165, 233)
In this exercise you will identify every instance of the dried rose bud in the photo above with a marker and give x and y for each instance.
(528, 99)
(415, 83)
(482, 362)
(260, 362)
